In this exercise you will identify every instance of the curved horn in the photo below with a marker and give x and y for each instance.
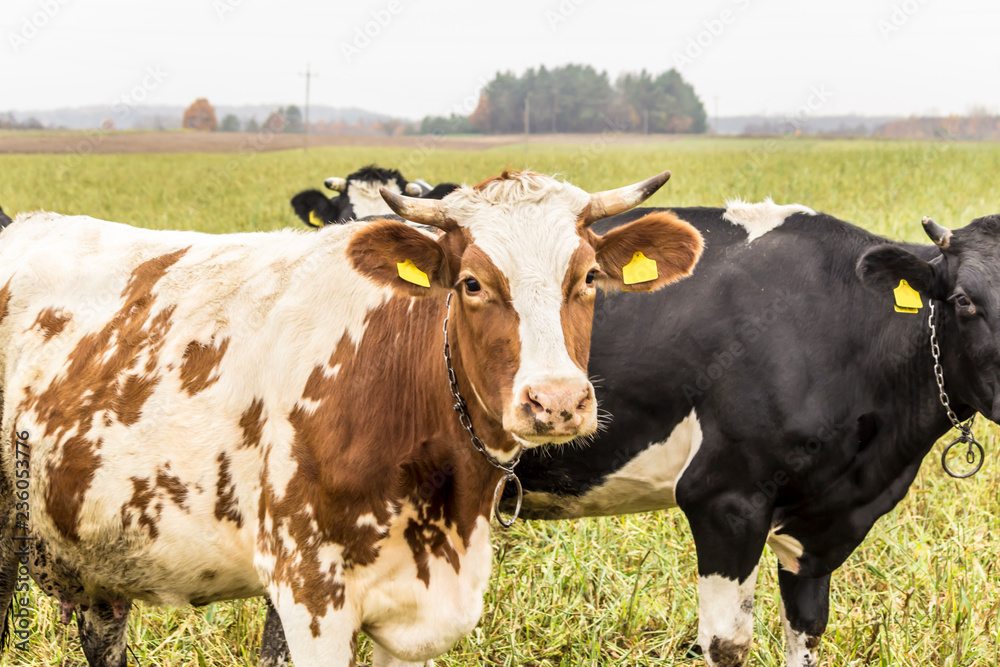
(414, 189)
(336, 183)
(940, 235)
(612, 202)
(424, 211)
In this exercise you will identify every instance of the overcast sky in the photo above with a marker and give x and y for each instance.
(431, 56)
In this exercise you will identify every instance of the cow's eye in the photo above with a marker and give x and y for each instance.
(591, 275)
(964, 303)
(472, 286)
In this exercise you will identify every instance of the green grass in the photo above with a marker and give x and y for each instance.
(921, 590)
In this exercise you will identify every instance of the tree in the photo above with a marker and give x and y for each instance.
(275, 122)
(480, 118)
(251, 126)
(392, 127)
(200, 116)
(454, 124)
(642, 97)
(293, 120)
(578, 98)
(230, 123)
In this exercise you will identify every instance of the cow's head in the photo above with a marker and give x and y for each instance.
(965, 275)
(523, 264)
(359, 196)
(360, 191)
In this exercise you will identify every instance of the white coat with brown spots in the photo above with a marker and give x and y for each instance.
(216, 417)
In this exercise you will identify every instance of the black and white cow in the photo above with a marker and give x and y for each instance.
(777, 399)
(359, 196)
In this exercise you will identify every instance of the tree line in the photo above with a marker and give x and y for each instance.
(578, 98)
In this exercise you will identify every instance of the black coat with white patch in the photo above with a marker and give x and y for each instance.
(358, 196)
(777, 398)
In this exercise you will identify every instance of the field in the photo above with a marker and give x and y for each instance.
(923, 588)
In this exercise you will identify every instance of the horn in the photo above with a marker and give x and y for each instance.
(336, 183)
(612, 202)
(940, 235)
(424, 211)
(414, 189)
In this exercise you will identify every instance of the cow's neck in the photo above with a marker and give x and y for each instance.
(443, 471)
(900, 361)
(382, 402)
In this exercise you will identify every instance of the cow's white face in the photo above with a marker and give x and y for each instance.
(519, 254)
(365, 199)
(527, 277)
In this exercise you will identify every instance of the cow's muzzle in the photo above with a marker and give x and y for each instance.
(553, 412)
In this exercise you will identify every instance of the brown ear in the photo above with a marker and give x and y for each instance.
(672, 243)
(378, 249)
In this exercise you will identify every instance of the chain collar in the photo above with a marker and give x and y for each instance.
(462, 408)
(967, 438)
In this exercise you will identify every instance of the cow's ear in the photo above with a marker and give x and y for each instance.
(313, 207)
(882, 267)
(644, 255)
(394, 254)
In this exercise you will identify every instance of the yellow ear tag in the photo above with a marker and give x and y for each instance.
(907, 299)
(640, 270)
(409, 272)
(315, 220)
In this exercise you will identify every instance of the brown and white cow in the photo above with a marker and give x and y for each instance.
(190, 431)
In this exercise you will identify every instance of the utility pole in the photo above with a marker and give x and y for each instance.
(555, 107)
(527, 120)
(305, 137)
(527, 114)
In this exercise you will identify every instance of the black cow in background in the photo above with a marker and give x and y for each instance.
(4, 219)
(359, 196)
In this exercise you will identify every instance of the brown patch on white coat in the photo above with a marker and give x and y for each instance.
(369, 506)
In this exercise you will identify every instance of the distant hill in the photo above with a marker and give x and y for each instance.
(168, 117)
(976, 128)
(845, 125)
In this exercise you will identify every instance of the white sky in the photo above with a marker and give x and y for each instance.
(433, 54)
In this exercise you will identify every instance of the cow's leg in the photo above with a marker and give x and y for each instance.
(102, 633)
(329, 639)
(8, 578)
(805, 609)
(273, 647)
(729, 533)
(382, 658)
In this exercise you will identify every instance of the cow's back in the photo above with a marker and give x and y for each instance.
(148, 373)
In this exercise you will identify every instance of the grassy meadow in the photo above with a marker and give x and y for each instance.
(922, 590)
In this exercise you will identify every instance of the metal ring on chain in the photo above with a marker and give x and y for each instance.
(966, 428)
(970, 457)
(498, 493)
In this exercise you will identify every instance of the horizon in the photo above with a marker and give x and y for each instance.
(900, 58)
